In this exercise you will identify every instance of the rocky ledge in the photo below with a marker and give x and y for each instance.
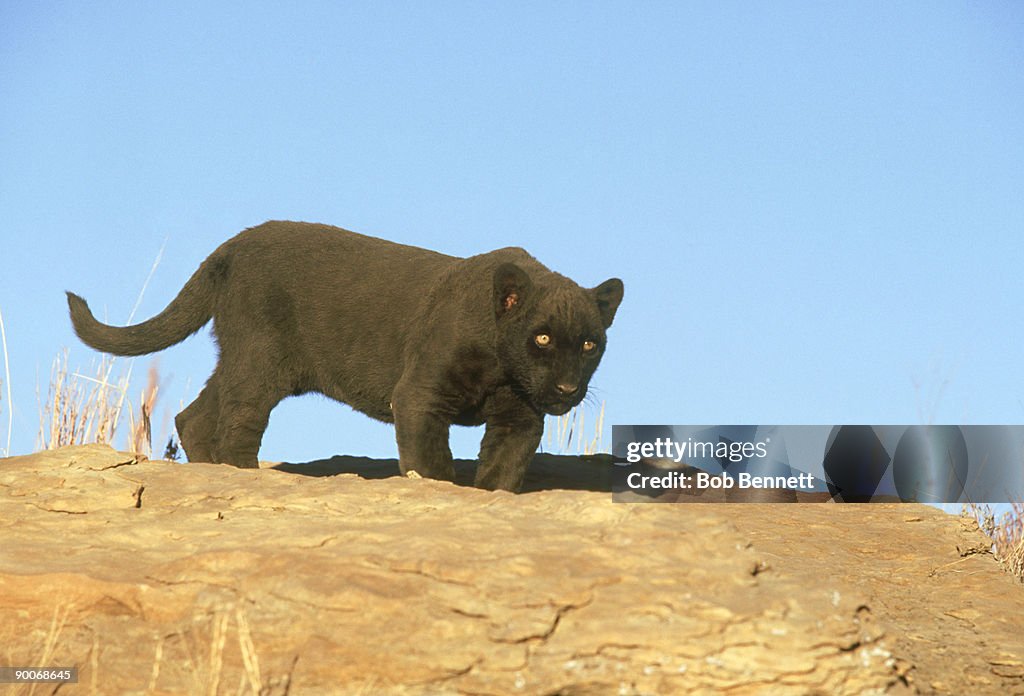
(164, 578)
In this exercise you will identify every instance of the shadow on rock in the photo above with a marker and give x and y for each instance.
(547, 472)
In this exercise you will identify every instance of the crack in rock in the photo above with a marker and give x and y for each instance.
(63, 512)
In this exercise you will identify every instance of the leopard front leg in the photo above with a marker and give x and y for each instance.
(422, 436)
(514, 430)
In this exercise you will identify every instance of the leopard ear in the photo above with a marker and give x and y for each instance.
(511, 286)
(608, 295)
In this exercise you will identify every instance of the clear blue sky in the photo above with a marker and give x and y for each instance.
(817, 209)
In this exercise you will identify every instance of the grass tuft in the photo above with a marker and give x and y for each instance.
(141, 429)
(572, 426)
(48, 650)
(1007, 534)
(80, 409)
(7, 383)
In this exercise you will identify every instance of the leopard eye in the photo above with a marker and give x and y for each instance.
(542, 340)
(589, 346)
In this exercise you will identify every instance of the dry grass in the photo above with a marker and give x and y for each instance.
(141, 429)
(44, 658)
(249, 657)
(85, 408)
(82, 409)
(207, 675)
(573, 426)
(1007, 534)
(7, 382)
(79, 408)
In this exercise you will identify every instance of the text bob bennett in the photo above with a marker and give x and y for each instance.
(702, 480)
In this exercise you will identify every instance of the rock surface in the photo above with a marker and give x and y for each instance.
(163, 578)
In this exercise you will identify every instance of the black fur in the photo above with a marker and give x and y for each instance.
(403, 334)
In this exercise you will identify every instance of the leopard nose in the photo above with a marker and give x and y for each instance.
(568, 389)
